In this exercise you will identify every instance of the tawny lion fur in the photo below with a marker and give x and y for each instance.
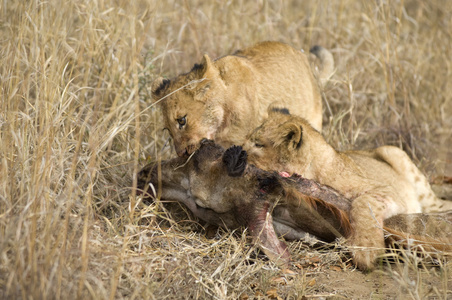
(380, 183)
(223, 99)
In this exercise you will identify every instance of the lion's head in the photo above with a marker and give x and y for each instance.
(283, 142)
(190, 105)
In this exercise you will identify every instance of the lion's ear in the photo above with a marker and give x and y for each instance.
(293, 134)
(209, 68)
(274, 109)
(157, 87)
(235, 160)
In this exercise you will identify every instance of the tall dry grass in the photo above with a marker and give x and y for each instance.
(76, 124)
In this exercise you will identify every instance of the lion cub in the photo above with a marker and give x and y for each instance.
(224, 99)
(381, 183)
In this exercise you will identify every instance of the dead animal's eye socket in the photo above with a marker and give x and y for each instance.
(182, 121)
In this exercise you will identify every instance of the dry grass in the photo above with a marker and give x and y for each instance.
(76, 124)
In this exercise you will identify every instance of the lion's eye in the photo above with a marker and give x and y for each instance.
(182, 121)
(259, 145)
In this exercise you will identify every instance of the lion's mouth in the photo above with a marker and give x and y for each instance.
(191, 148)
(182, 153)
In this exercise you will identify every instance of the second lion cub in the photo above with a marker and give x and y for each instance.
(381, 183)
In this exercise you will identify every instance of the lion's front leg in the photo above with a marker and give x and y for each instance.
(366, 217)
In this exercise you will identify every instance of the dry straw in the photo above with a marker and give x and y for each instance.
(76, 124)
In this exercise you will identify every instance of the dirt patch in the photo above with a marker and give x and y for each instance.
(380, 284)
(394, 280)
